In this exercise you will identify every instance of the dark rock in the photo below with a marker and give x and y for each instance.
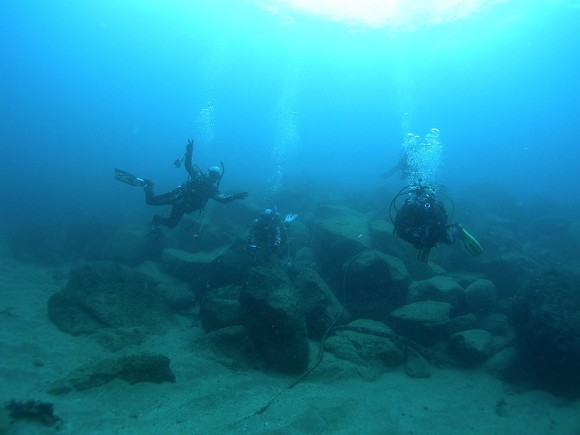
(437, 288)
(415, 365)
(509, 271)
(232, 347)
(424, 321)
(481, 296)
(391, 354)
(220, 308)
(143, 367)
(176, 293)
(203, 270)
(375, 283)
(319, 304)
(339, 234)
(365, 342)
(33, 410)
(546, 317)
(273, 316)
(462, 323)
(470, 347)
(383, 237)
(505, 364)
(103, 294)
(495, 323)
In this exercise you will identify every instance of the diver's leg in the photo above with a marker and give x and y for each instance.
(168, 198)
(173, 219)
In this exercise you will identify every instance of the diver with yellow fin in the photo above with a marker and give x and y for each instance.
(421, 220)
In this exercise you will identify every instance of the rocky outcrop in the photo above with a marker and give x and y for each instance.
(321, 308)
(481, 296)
(220, 308)
(203, 270)
(143, 367)
(101, 295)
(546, 317)
(471, 346)
(375, 283)
(425, 321)
(273, 316)
(339, 234)
(438, 288)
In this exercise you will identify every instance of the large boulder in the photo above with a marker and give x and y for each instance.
(368, 344)
(383, 237)
(471, 346)
(273, 315)
(176, 293)
(481, 296)
(104, 294)
(339, 234)
(546, 317)
(425, 321)
(438, 288)
(203, 270)
(374, 283)
(133, 369)
(321, 308)
(220, 308)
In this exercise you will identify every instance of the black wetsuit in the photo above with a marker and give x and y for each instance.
(422, 221)
(266, 232)
(189, 196)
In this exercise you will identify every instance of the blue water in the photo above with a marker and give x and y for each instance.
(87, 86)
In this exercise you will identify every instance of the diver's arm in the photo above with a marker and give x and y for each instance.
(191, 170)
(224, 199)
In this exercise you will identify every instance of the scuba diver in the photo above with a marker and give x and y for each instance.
(190, 196)
(421, 220)
(268, 233)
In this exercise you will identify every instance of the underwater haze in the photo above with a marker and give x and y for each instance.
(281, 93)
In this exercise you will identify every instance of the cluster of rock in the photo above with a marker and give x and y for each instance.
(353, 286)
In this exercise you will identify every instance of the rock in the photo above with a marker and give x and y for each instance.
(462, 323)
(143, 367)
(495, 323)
(103, 294)
(176, 293)
(203, 270)
(319, 304)
(383, 237)
(546, 318)
(415, 365)
(471, 347)
(509, 271)
(506, 364)
(272, 314)
(232, 347)
(438, 288)
(366, 343)
(424, 321)
(375, 283)
(220, 308)
(481, 296)
(391, 354)
(339, 234)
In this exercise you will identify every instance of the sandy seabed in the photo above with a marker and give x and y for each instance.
(213, 397)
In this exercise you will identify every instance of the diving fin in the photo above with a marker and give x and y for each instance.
(125, 177)
(469, 243)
